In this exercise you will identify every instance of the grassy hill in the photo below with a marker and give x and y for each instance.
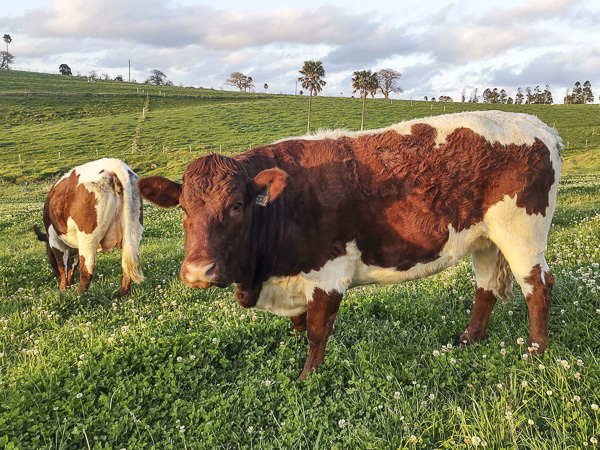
(171, 367)
(50, 123)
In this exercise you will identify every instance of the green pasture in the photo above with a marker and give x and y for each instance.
(172, 367)
(49, 123)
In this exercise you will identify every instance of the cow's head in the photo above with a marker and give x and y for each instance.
(51, 256)
(218, 199)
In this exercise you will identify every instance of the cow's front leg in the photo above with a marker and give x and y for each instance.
(321, 313)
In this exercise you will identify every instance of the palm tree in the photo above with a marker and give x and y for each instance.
(364, 81)
(8, 40)
(311, 79)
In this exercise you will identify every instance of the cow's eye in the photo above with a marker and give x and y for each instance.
(237, 206)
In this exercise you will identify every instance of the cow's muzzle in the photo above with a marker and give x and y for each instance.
(202, 275)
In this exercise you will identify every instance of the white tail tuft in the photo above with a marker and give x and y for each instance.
(503, 279)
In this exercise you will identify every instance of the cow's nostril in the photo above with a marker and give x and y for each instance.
(198, 273)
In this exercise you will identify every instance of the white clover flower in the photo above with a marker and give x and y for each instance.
(268, 383)
(475, 440)
(594, 407)
(503, 351)
(215, 341)
(593, 440)
(79, 395)
(388, 377)
(192, 357)
(436, 353)
(524, 356)
(452, 361)
(530, 422)
(179, 359)
(524, 384)
(342, 423)
(520, 341)
(580, 363)
(412, 438)
(576, 399)
(396, 395)
(250, 430)
(549, 392)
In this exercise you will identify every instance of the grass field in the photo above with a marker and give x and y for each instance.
(171, 367)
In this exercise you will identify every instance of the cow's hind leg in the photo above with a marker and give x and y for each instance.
(489, 266)
(531, 271)
(299, 323)
(125, 286)
(61, 265)
(321, 313)
(88, 247)
(71, 265)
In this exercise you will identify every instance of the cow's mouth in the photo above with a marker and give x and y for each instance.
(207, 284)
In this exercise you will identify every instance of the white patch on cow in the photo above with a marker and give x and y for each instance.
(521, 237)
(289, 296)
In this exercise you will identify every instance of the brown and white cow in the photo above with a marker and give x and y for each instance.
(296, 223)
(93, 207)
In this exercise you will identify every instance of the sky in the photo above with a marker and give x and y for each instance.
(441, 47)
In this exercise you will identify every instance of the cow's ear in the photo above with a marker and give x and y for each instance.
(267, 185)
(161, 191)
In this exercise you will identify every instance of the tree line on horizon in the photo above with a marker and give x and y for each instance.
(579, 95)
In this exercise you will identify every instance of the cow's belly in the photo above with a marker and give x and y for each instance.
(289, 296)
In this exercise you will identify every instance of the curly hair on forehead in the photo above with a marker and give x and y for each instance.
(212, 166)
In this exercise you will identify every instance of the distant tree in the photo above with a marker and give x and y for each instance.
(547, 95)
(537, 95)
(519, 96)
(239, 80)
(445, 98)
(266, 86)
(6, 59)
(487, 94)
(93, 75)
(65, 70)
(502, 96)
(433, 99)
(528, 96)
(474, 97)
(425, 98)
(510, 101)
(157, 77)
(577, 94)
(8, 40)
(364, 81)
(388, 81)
(106, 76)
(119, 78)
(588, 95)
(312, 79)
(463, 95)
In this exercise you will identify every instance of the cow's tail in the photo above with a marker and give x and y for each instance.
(503, 279)
(131, 222)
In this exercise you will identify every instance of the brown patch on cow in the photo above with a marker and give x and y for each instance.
(68, 198)
(482, 310)
(538, 303)
(320, 317)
